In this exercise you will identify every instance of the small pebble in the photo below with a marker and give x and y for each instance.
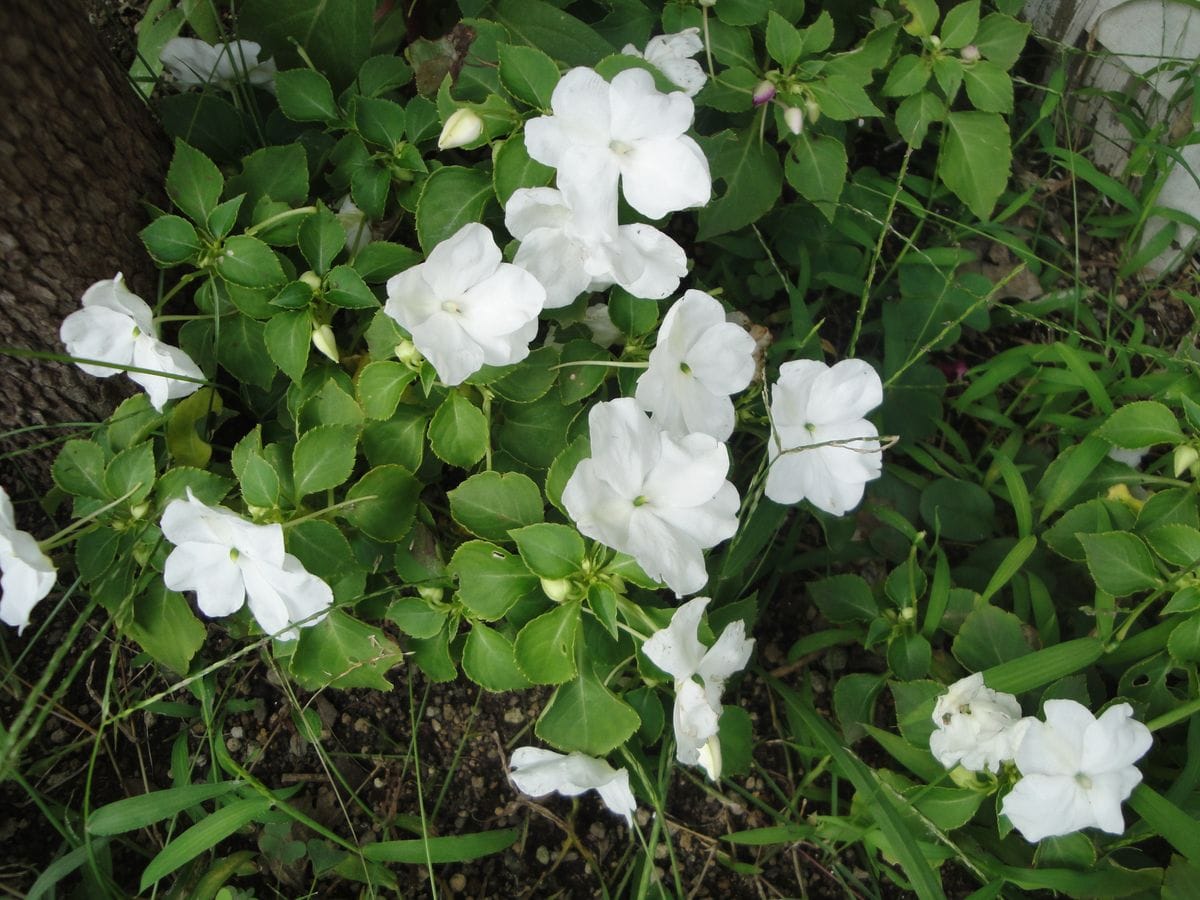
(237, 732)
(543, 856)
(514, 716)
(458, 882)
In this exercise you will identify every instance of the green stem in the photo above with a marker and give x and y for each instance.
(1178, 714)
(279, 217)
(615, 364)
(180, 285)
(61, 537)
(328, 509)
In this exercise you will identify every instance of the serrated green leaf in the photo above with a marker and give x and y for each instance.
(452, 197)
(960, 25)
(305, 95)
(79, 469)
(550, 550)
(545, 647)
(584, 715)
(342, 652)
(323, 458)
(490, 504)
(988, 87)
(1141, 424)
(248, 262)
(490, 661)
(458, 431)
(387, 502)
(194, 183)
(131, 472)
(321, 238)
(288, 337)
(1120, 563)
(976, 158)
(528, 74)
(170, 240)
(490, 580)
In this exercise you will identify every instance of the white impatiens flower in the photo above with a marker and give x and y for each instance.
(228, 561)
(677, 650)
(1076, 770)
(817, 451)
(464, 307)
(28, 573)
(194, 63)
(116, 326)
(537, 772)
(672, 55)
(661, 499)
(977, 728)
(699, 360)
(570, 255)
(628, 130)
(356, 225)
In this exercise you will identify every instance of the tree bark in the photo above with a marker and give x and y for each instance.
(79, 151)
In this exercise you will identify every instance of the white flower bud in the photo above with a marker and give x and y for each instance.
(323, 340)
(970, 53)
(463, 127)
(312, 279)
(708, 4)
(710, 757)
(977, 728)
(407, 353)
(1186, 460)
(934, 41)
(813, 109)
(557, 589)
(793, 116)
(431, 594)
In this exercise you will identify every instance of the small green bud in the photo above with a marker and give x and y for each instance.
(140, 510)
(312, 279)
(407, 353)
(431, 594)
(325, 342)
(1187, 459)
(813, 109)
(557, 589)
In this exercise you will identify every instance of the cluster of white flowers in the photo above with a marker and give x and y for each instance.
(1076, 770)
(116, 327)
(196, 63)
(28, 574)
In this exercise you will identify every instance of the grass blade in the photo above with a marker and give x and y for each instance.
(202, 836)
(133, 813)
(456, 848)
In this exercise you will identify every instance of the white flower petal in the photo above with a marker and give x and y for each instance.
(727, 656)
(529, 209)
(641, 112)
(447, 347)
(208, 570)
(99, 333)
(159, 357)
(665, 553)
(625, 445)
(538, 772)
(618, 796)
(28, 574)
(282, 596)
(695, 722)
(848, 390)
(676, 649)
(661, 176)
(689, 471)
(556, 261)
(1114, 741)
(1041, 806)
(650, 263)
(461, 261)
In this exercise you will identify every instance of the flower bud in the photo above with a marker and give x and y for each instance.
(764, 93)
(463, 127)
(970, 53)
(141, 554)
(710, 757)
(140, 510)
(323, 340)
(935, 42)
(1186, 460)
(407, 353)
(557, 589)
(708, 4)
(431, 594)
(312, 279)
(793, 116)
(813, 109)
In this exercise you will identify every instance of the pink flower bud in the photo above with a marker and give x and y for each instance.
(764, 93)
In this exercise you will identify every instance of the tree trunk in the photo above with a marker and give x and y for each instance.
(79, 151)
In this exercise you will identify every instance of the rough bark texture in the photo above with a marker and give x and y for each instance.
(78, 152)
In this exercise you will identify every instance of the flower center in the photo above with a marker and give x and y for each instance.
(137, 332)
(810, 427)
(619, 147)
(641, 501)
(234, 554)
(1083, 781)
(451, 307)
(685, 368)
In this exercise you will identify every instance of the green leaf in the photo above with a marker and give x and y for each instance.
(322, 548)
(513, 168)
(976, 158)
(344, 287)
(260, 483)
(399, 440)
(452, 849)
(545, 647)
(1068, 472)
(415, 617)
(531, 380)
(960, 510)
(288, 337)
(1176, 543)
(784, 42)
(916, 114)
(380, 260)
(1001, 39)
(343, 652)
(1167, 820)
(452, 197)
(988, 87)
(490, 504)
(305, 95)
(844, 599)
(1141, 424)
(369, 188)
(164, 625)
(210, 124)
(389, 515)
(279, 173)
(379, 121)
(1120, 563)
(170, 240)
(535, 433)
(540, 24)
(988, 637)
(854, 702)
(528, 74)
(323, 458)
(741, 12)
(842, 98)
(550, 550)
(577, 382)
(816, 168)
(379, 387)
(1043, 667)
(633, 315)
(209, 487)
(242, 350)
(335, 36)
(321, 239)
(753, 181)
(131, 470)
(194, 183)
(79, 469)
(458, 431)
(203, 836)
(490, 661)
(924, 16)
(960, 25)
(909, 656)
(584, 715)
(1184, 641)
(383, 73)
(490, 580)
(222, 219)
(249, 262)
(133, 813)
(909, 75)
